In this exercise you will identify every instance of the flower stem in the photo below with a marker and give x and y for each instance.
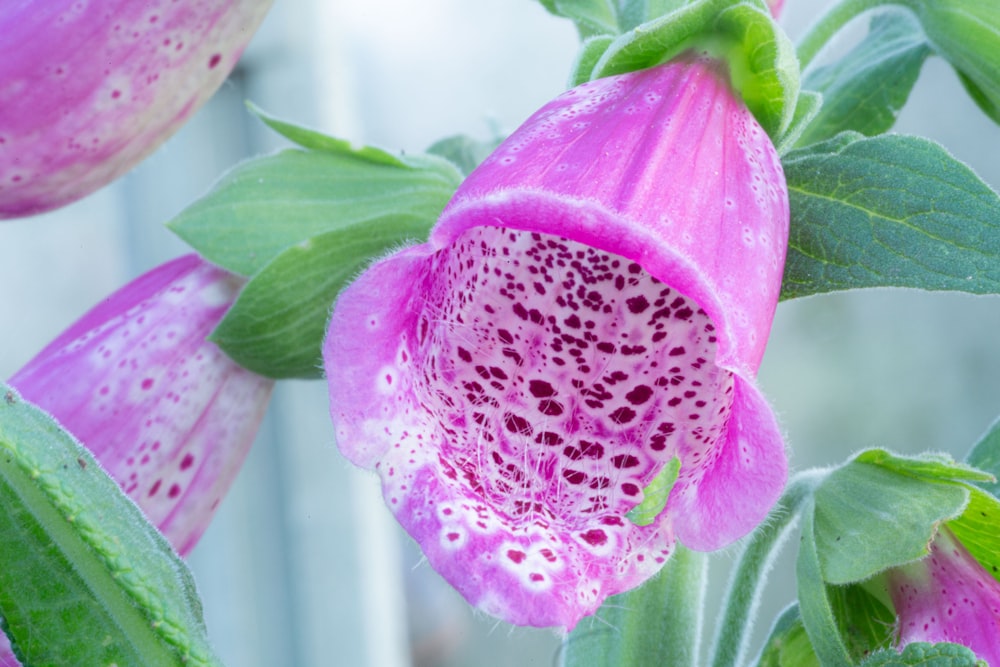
(658, 623)
(823, 30)
(743, 593)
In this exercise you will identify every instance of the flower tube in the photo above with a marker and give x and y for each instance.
(88, 89)
(165, 412)
(592, 304)
(948, 597)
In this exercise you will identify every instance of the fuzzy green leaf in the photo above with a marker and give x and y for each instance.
(277, 323)
(464, 152)
(888, 211)
(865, 90)
(985, 455)
(924, 655)
(86, 580)
(788, 644)
(269, 204)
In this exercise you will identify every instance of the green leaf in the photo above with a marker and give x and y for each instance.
(806, 109)
(985, 455)
(761, 58)
(655, 624)
(86, 580)
(865, 622)
(277, 324)
(880, 510)
(924, 655)
(592, 17)
(590, 52)
(866, 89)
(788, 644)
(976, 529)
(269, 204)
(888, 211)
(814, 601)
(966, 33)
(318, 141)
(463, 151)
(654, 496)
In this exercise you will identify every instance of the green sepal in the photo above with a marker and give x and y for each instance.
(654, 496)
(277, 323)
(806, 109)
(866, 88)
(888, 211)
(920, 654)
(590, 53)
(879, 510)
(761, 58)
(977, 530)
(86, 580)
(268, 204)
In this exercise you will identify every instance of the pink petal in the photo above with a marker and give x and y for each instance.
(593, 302)
(88, 89)
(165, 412)
(948, 597)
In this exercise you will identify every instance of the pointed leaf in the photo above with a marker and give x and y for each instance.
(268, 204)
(870, 517)
(866, 89)
(592, 17)
(866, 623)
(888, 211)
(86, 580)
(277, 323)
(985, 455)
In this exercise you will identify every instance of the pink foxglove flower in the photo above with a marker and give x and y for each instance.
(593, 302)
(165, 412)
(948, 597)
(88, 89)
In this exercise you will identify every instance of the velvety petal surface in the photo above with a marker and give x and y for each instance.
(948, 597)
(164, 411)
(592, 303)
(89, 88)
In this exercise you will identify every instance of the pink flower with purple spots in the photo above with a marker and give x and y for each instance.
(88, 89)
(592, 304)
(164, 411)
(948, 597)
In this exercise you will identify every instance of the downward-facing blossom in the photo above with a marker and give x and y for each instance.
(88, 89)
(165, 412)
(948, 597)
(593, 302)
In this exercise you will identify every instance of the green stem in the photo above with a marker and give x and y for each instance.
(658, 623)
(821, 32)
(748, 577)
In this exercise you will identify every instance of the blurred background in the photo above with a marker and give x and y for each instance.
(303, 565)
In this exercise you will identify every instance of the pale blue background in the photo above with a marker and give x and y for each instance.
(302, 533)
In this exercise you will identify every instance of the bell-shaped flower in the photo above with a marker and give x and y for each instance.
(88, 89)
(592, 304)
(166, 413)
(948, 597)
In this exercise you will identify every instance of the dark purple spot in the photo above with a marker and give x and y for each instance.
(550, 407)
(156, 487)
(637, 304)
(622, 415)
(174, 491)
(147, 384)
(516, 556)
(639, 394)
(594, 537)
(630, 489)
(517, 424)
(606, 347)
(464, 355)
(677, 351)
(187, 461)
(541, 389)
(453, 537)
(214, 61)
(549, 439)
(574, 476)
(624, 461)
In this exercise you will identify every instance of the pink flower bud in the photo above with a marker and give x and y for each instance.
(88, 89)
(165, 412)
(593, 302)
(948, 597)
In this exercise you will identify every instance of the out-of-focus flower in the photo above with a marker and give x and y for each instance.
(593, 302)
(165, 412)
(948, 597)
(776, 7)
(88, 89)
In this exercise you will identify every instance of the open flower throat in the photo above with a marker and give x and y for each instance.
(590, 308)
(562, 379)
